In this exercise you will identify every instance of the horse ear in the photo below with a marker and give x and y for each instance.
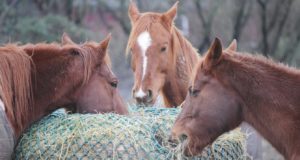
(169, 16)
(133, 12)
(232, 46)
(214, 54)
(104, 44)
(65, 39)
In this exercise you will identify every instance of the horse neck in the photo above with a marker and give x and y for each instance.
(272, 106)
(184, 59)
(47, 75)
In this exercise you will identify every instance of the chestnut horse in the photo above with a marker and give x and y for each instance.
(37, 79)
(162, 59)
(100, 94)
(229, 88)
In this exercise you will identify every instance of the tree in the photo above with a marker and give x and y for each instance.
(241, 15)
(273, 20)
(206, 21)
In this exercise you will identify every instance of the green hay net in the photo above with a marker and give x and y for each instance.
(141, 135)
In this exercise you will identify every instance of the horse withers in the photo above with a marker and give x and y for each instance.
(229, 88)
(36, 79)
(162, 59)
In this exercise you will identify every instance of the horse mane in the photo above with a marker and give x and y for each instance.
(255, 60)
(106, 59)
(185, 54)
(260, 71)
(15, 85)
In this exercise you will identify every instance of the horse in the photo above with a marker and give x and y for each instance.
(100, 94)
(162, 59)
(229, 88)
(36, 79)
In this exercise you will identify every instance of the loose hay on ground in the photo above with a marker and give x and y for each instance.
(141, 135)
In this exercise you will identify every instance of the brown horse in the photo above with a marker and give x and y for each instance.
(100, 94)
(37, 79)
(162, 59)
(229, 88)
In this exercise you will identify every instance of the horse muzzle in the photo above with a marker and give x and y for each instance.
(142, 97)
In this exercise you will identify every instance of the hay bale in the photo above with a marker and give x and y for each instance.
(141, 135)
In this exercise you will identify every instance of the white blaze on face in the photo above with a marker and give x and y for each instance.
(2, 105)
(144, 41)
(140, 93)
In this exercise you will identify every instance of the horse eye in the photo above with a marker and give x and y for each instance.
(193, 92)
(114, 84)
(163, 49)
(74, 52)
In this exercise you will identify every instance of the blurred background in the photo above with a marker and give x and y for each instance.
(268, 27)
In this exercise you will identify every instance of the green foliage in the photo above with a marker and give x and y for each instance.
(48, 28)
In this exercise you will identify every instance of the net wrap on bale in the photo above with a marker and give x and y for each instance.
(141, 135)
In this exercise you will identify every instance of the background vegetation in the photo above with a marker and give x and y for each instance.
(268, 27)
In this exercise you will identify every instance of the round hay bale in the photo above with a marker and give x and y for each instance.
(141, 135)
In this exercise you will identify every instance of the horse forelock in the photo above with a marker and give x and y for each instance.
(16, 88)
(143, 24)
(89, 54)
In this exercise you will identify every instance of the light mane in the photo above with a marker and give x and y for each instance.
(15, 85)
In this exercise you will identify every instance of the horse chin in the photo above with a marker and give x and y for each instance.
(148, 103)
(189, 149)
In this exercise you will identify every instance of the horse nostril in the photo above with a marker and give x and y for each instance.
(173, 142)
(149, 94)
(182, 137)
